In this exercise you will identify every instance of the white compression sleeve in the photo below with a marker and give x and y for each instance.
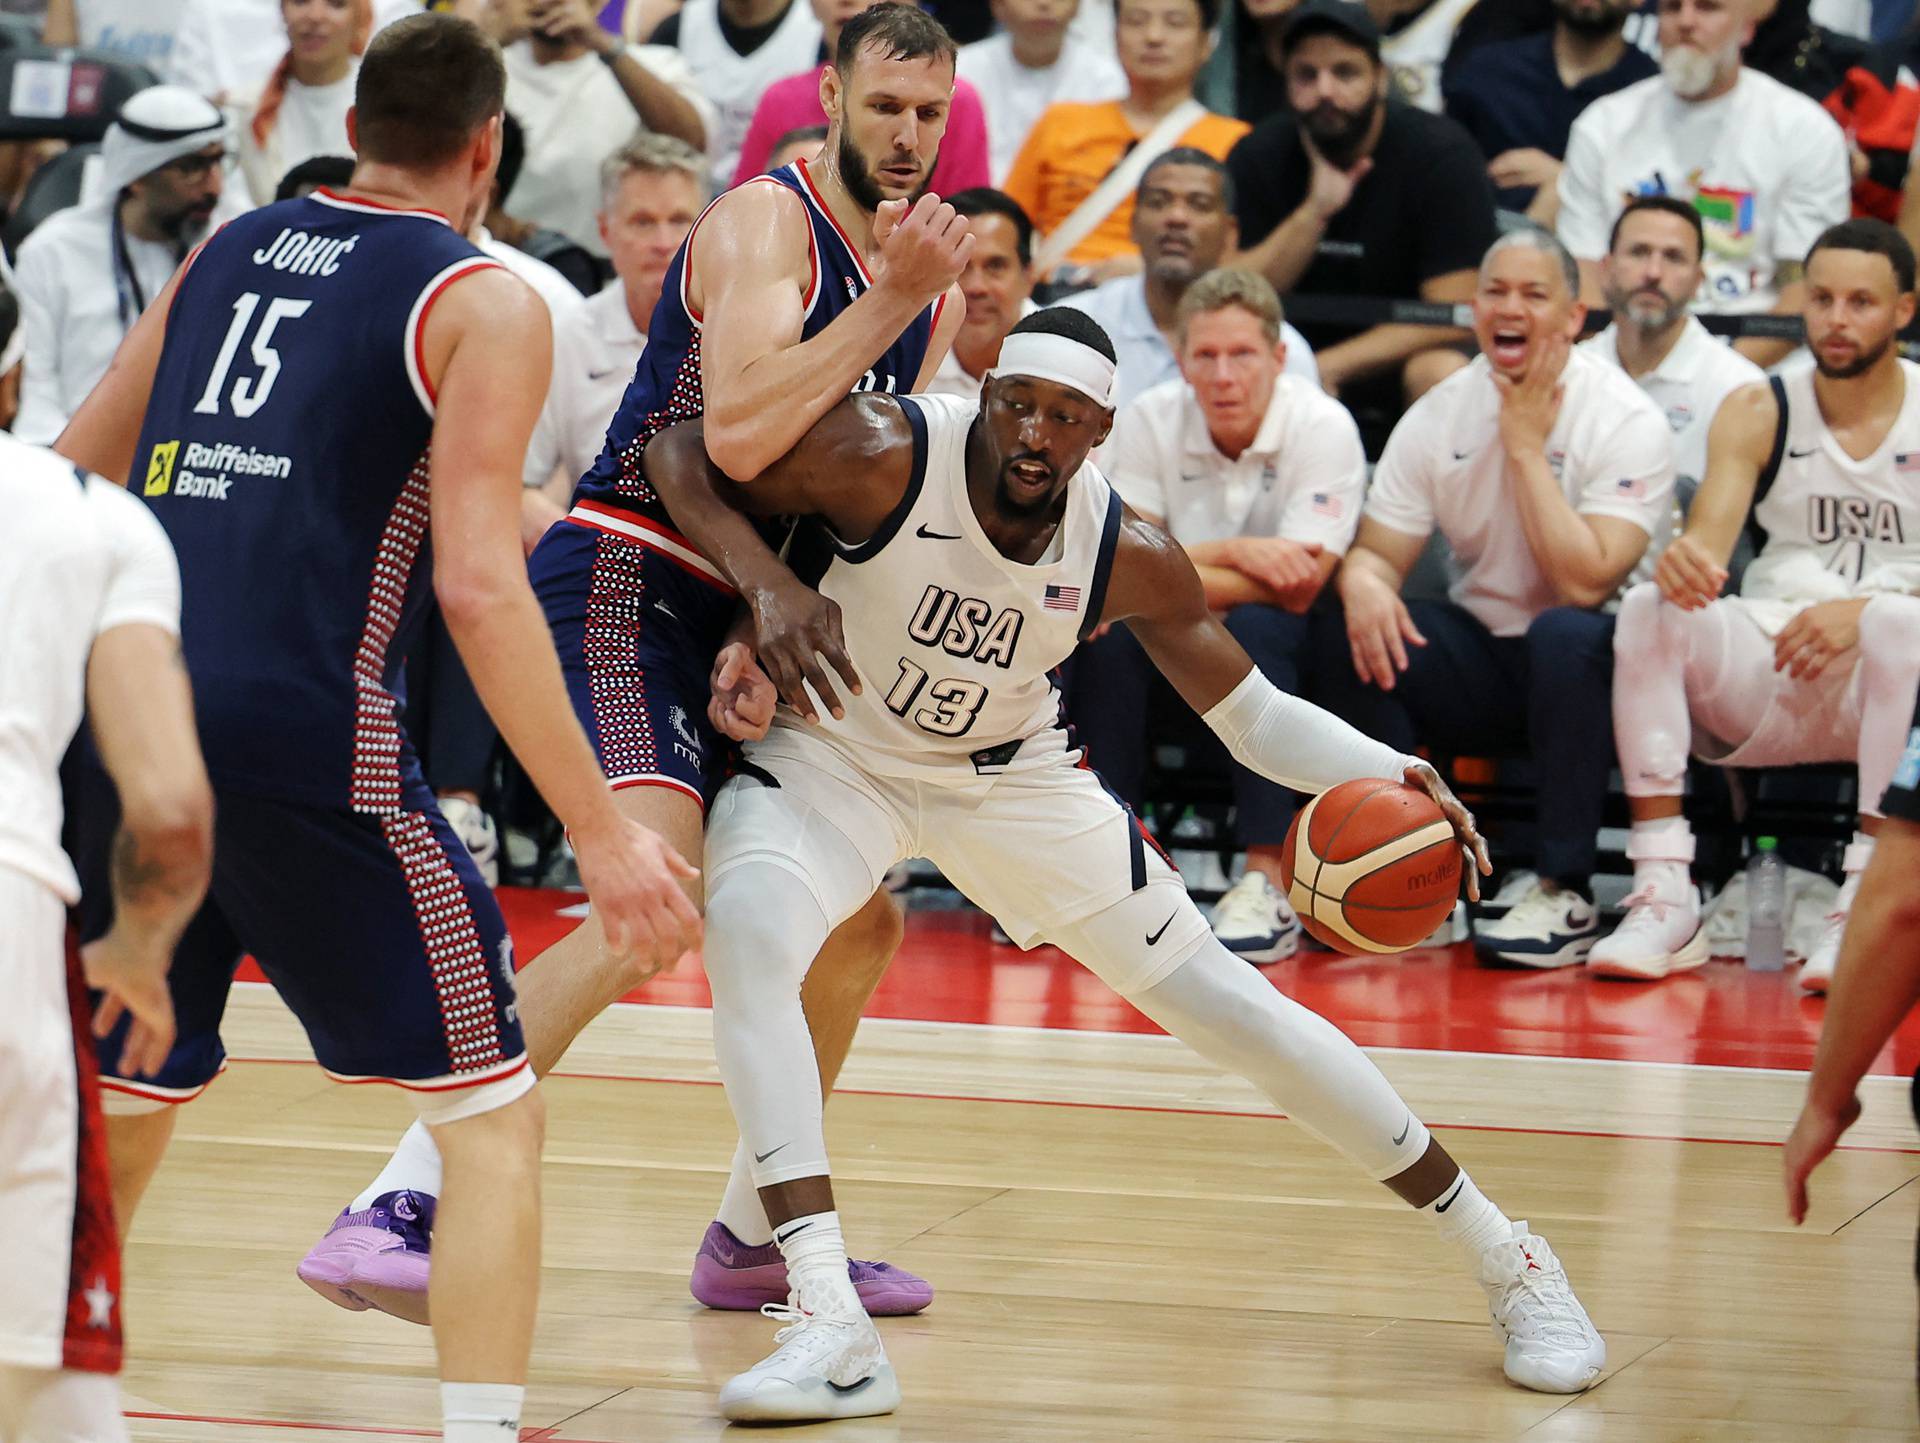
(1295, 743)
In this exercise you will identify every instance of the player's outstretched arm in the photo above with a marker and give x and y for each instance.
(1692, 571)
(851, 469)
(764, 386)
(1876, 983)
(1155, 590)
(488, 348)
(105, 431)
(140, 707)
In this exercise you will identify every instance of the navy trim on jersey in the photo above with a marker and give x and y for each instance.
(872, 546)
(1103, 564)
(1770, 472)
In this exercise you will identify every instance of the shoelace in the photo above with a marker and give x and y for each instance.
(1544, 1303)
(795, 1319)
(1652, 901)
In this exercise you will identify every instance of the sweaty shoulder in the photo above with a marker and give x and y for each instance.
(739, 226)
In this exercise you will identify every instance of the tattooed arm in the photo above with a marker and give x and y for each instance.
(141, 709)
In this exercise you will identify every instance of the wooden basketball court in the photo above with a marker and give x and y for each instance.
(1125, 1244)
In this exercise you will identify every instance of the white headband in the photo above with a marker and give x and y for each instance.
(1046, 356)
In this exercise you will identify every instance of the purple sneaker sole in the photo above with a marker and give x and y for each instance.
(395, 1282)
(376, 1258)
(730, 1276)
(328, 1268)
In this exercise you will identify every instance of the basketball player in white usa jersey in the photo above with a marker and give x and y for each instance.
(1817, 659)
(970, 547)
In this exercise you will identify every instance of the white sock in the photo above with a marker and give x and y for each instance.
(816, 1255)
(480, 1412)
(415, 1165)
(1466, 1217)
(740, 1210)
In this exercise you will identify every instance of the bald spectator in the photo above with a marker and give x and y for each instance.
(1766, 167)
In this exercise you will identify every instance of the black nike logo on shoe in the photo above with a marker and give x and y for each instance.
(792, 1232)
(763, 1156)
(849, 1388)
(926, 535)
(1153, 937)
(1404, 1131)
(1447, 1202)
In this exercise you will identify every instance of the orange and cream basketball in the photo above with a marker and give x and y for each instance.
(1371, 866)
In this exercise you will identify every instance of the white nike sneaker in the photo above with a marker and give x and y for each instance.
(1543, 929)
(829, 1364)
(1516, 886)
(1656, 938)
(1551, 1343)
(1254, 922)
(477, 833)
(1818, 969)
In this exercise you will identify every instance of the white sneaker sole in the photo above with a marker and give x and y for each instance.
(1690, 954)
(1571, 955)
(746, 1399)
(1557, 1373)
(1814, 982)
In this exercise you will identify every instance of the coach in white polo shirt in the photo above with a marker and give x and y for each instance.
(1547, 471)
(652, 191)
(1259, 475)
(1765, 166)
(1652, 270)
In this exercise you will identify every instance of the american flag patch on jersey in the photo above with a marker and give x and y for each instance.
(1326, 505)
(1061, 598)
(1630, 486)
(1907, 461)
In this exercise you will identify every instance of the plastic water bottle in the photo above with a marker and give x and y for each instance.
(1766, 908)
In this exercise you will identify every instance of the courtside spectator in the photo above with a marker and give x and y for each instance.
(1034, 61)
(1652, 272)
(796, 101)
(1183, 225)
(736, 50)
(1547, 471)
(997, 284)
(226, 49)
(580, 94)
(87, 272)
(1415, 36)
(1352, 194)
(302, 112)
(1078, 170)
(1518, 99)
(1260, 476)
(1766, 167)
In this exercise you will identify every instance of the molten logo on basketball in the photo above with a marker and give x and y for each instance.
(1440, 876)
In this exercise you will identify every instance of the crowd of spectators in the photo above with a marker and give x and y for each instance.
(1187, 178)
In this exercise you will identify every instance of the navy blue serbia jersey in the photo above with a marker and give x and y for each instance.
(285, 452)
(666, 387)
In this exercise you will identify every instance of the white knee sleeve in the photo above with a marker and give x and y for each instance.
(1651, 728)
(1889, 675)
(1232, 1016)
(763, 929)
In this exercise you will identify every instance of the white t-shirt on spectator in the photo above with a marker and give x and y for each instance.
(229, 47)
(735, 82)
(70, 311)
(1302, 479)
(1849, 17)
(76, 560)
(1444, 469)
(1415, 53)
(1146, 360)
(1014, 95)
(596, 348)
(1766, 166)
(576, 115)
(312, 121)
(560, 294)
(1688, 386)
(138, 30)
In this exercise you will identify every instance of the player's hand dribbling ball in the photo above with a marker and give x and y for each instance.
(1371, 866)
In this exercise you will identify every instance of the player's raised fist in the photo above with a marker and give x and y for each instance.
(923, 253)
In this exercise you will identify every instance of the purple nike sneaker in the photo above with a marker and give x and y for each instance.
(377, 1257)
(735, 1278)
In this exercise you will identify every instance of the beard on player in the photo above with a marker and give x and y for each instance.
(904, 168)
(1840, 357)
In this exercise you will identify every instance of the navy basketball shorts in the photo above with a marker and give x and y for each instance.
(637, 627)
(376, 930)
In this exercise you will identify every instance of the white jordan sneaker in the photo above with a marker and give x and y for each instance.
(1817, 971)
(829, 1364)
(1253, 921)
(1551, 1343)
(1656, 938)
